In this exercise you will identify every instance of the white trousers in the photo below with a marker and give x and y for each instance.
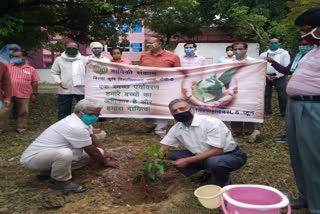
(159, 125)
(59, 162)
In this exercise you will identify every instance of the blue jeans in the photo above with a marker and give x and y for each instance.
(218, 166)
(280, 85)
(65, 104)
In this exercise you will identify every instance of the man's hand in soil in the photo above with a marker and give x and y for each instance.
(111, 163)
(181, 163)
(110, 156)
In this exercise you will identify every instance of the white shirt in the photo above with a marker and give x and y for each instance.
(195, 60)
(100, 59)
(281, 56)
(203, 134)
(69, 132)
(225, 59)
(61, 71)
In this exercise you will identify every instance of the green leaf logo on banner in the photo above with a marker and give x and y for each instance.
(100, 69)
(226, 77)
(212, 89)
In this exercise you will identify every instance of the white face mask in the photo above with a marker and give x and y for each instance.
(310, 37)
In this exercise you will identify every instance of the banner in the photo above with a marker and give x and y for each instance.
(230, 92)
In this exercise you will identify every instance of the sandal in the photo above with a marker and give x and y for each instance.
(67, 186)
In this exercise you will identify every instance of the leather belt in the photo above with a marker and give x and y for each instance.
(236, 149)
(306, 98)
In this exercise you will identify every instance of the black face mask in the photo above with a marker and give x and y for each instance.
(183, 116)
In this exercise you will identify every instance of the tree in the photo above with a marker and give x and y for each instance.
(172, 19)
(245, 19)
(245, 24)
(31, 22)
(285, 29)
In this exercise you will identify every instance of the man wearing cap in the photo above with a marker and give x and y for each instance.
(303, 116)
(97, 49)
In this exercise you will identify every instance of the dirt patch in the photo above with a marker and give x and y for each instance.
(119, 181)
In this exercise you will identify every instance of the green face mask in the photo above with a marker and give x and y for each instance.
(274, 46)
(305, 48)
(71, 51)
(88, 119)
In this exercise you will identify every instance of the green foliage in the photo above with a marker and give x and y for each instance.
(154, 165)
(57, 46)
(31, 22)
(172, 19)
(245, 24)
(9, 26)
(285, 29)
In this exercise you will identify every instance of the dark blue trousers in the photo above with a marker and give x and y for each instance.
(219, 167)
(65, 104)
(280, 84)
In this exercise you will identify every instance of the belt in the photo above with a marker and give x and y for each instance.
(236, 149)
(306, 98)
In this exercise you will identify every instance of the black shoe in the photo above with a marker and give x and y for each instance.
(202, 179)
(43, 178)
(298, 204)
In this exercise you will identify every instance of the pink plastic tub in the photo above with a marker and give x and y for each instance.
(253, 199)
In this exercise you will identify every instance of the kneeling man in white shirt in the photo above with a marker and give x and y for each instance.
(68, 144)
(208, 143)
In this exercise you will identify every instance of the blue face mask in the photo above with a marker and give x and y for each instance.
(239, 53)
(17, 60)
(189, 51)
(88, 119)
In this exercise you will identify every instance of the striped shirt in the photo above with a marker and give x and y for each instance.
(195, 60)
(21, 78)
(306, 78)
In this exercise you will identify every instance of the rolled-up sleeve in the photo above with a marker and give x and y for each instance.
(170, 139)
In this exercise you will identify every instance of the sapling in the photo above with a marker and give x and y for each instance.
(154, 165)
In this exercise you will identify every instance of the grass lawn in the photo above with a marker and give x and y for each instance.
(268, 164)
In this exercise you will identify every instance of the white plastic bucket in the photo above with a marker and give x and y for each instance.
(209, 196)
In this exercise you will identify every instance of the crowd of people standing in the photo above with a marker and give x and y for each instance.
(215, 152)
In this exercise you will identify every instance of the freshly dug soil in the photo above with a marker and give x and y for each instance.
(118, 181)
